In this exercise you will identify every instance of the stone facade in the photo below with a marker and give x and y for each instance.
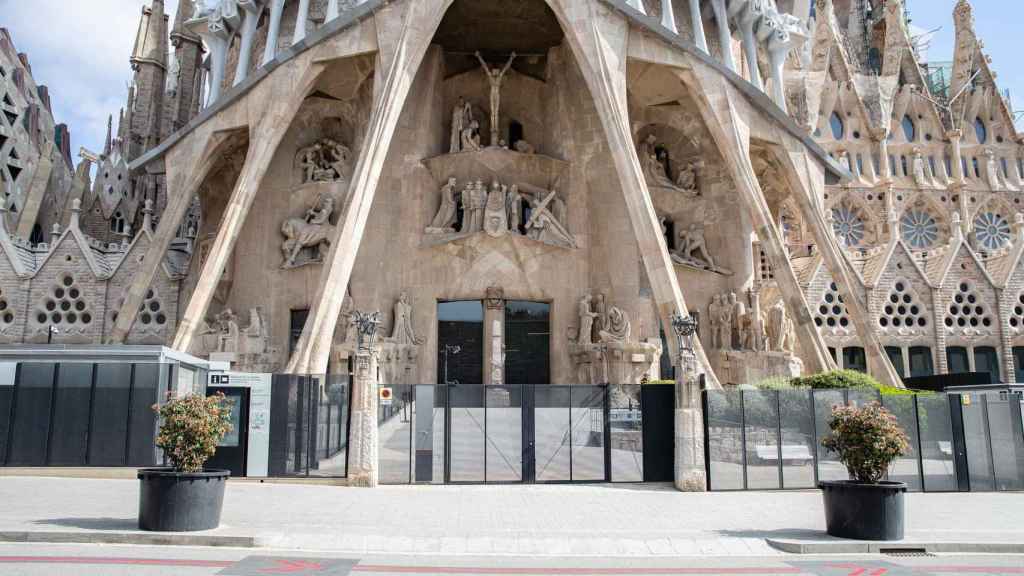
(351, 172)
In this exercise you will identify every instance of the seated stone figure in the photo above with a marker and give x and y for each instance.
(313, 230)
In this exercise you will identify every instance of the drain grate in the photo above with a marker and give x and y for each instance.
(905, 552)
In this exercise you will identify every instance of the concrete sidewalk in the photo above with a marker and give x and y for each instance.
(539, 520)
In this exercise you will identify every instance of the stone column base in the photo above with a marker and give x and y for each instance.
(691, 475)
(362, 457)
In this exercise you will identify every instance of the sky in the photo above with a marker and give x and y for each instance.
(80, 49)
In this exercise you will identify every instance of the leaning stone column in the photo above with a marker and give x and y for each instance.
(697, 22)
(746, 22)
(301, 22)
(724, 33)
(637, 5)
(691, 474)
(253, 9)
(216, 32)
(332, 10)
(363, 436)
(274, 31)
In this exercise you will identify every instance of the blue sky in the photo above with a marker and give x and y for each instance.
(80, 49)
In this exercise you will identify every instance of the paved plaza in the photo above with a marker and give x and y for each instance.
(514, 520)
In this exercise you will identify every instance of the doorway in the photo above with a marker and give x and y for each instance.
(233, 449)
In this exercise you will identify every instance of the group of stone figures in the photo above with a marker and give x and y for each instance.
(465, 136)
(735, 327)
(501, 209)
(223, 334)
(325, 161)
(600, 323)
(657, 172)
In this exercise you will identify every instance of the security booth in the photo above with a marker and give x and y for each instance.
(245, 450)
(88, 406)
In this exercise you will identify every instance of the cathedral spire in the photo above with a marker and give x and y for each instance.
(108, 145)
(151, 39)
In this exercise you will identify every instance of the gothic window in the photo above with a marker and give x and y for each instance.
(902, 309)
(6, 312)
(848, 225)
(919, 229)
(64, 305)
(1017, 318)
(909, 130)
(992, 230)
(117, 223)
(980, 130)
(967, 310)
(836, 123)
(832, 310)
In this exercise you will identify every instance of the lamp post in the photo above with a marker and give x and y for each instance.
(690, 473)
(685, 327)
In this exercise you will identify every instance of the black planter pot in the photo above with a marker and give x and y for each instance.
(861, 511)
(172, 501)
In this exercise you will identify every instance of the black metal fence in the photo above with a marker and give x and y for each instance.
(309, 418)
(771, 440)
(81, 414)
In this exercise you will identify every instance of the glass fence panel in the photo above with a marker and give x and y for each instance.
(467, 442)
(504, 433)
(627, 435)
(761, 418)
(552, 431)
(863, 397)
(428, 463)
(32, 400)
(587, 413)
(725, 440)
(829, 466)
(797, 416)
(142, 421)
(1007, 451)
(332, 431)
(977, 439)
(905, 468)
(936, 430)
(395, 436)
(71, 415)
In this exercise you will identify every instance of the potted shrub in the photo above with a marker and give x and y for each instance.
(185, 497)
(867, 440)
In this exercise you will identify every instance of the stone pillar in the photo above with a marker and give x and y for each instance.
(494, 328)
(301, 21)
(746, 23)
(332, 10)
(363, 436)
(691, 474)
(958, 164)
(218, 38)
(274, 31)
(697, 22)
(637, 5)
(252, 9)
(724, 33)
(668, 17)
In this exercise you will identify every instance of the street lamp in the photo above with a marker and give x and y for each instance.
(685, 329)
(366, 330)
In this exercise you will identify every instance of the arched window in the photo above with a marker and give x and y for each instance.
(980, 130)
(117, 223)
(909, 130)
(838, 129)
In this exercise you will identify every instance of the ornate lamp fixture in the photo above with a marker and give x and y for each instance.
(366, 329)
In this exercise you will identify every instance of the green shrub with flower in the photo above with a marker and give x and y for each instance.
(190, 429)
(867, 439)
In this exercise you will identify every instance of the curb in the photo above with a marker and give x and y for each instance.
(138, 538)
(902, 546)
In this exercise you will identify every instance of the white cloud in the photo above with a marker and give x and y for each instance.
(80, 49)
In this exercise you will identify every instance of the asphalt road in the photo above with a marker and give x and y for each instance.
(95, 560)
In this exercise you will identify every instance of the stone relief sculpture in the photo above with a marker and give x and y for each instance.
(496, 210)
(402, 331)
(992, 170)
(781, 329)
(524, 147)
(495, 78)
(325, 161)
(618, 327)
(314, 230)
(919, 175)
(657, 173)
(585, 332)
(249, 346)
(692, 250)
(545, 225)
(471, 137)
(447, 214)
(462, 118)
